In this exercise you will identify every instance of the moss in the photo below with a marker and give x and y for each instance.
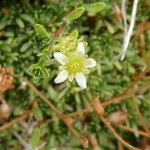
(19, 46)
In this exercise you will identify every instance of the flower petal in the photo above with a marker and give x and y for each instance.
(81, 80)
(90, 63)
(61, 58)
(61, 77)
(80, 48)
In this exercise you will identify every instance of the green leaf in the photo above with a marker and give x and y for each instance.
(9, 34)
(45, 72)
(20, 23)
(94, 8)
(41, 30)
(6, 47)
(25, 46)
(4, 21)
(44, 54)
(27, 18)
(74, 34)
(75, 14)
(35, 139)
(110, 27)
(38, 113)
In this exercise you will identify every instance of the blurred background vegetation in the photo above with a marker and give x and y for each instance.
(19, 46)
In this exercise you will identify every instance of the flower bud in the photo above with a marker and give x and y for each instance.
(5, 110)
(117, 117)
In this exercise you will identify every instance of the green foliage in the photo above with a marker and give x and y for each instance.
(21, 47)
(41, 30)
(94, 8)
(75, 14)
(35, 139)
(38, 71)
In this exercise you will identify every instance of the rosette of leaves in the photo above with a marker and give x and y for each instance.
(39, 71)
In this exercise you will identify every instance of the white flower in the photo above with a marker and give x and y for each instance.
(74, 66)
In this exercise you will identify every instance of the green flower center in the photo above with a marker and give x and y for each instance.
(75, 65)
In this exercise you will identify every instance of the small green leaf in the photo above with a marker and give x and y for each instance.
(27, 18)
(45, 54)
(45, 72)
(20, 23)
(74, 34)
(41, 30)
(6, 47)
(94, 8)
(36, 79)
(38, 113)
(75, 14)
(25, 46)
(9, 34)
(35, 139)
(110, 27)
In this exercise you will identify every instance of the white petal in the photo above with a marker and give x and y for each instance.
(90, 63)
(61, 58)
(81, 80)
(80, 48)
(61, 77)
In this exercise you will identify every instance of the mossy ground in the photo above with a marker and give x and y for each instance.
(19, 46)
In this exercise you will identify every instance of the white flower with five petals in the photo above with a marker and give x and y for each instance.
(74, 66)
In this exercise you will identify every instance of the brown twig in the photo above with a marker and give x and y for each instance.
(99, 111)
(142, 46)
(139, 76)
(79, 113)
(142, 121)
(43, 98)
(110, 101)
(7, 125)
(134, 131)
(75, 114)
(93, 142)
(57, 34)
(120, 147)
(66, 119)
(125, 95)
(142, 27)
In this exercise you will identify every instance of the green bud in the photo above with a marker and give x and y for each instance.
(94, 8)
(75, 14)
(68, 44)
